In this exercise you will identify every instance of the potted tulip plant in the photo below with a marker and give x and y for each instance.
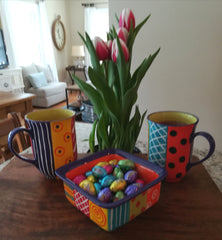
(113, 88)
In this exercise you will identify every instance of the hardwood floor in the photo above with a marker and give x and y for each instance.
(72, 98)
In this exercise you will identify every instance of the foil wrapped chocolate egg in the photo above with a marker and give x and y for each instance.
(102, 164)
(113, 162)
(107, 180)
(126, 165)
(99, 171)
(118, 185)
(140, 181)
(109, 168)
(78, 179)
(118, 173)
(91, 178)
(130, 176)
(132, 188)
(88, 187)
(98, 187)
(105, 195)
(88, 173)
(118, 196)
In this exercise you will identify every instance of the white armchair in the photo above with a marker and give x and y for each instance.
(39, 80)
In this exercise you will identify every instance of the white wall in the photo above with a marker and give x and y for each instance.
(72, 16)
(53, 9)
(187, 73)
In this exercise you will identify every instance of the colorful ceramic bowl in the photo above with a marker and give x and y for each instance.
(110, 216)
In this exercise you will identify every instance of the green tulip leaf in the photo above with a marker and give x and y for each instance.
(92, 137)
(92, 93)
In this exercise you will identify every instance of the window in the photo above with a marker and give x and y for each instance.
(25, 30)
(27, 33)
(96, 24)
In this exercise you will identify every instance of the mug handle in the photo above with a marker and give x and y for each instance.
(10, 140)
(211, 142)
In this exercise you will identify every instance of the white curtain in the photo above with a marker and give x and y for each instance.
(47, 49)
(96, 24)
(27, 34)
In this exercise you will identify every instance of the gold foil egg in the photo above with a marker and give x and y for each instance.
(101, 164)
(113, 162)
(91, 178)
(118, 185)
(88, 187)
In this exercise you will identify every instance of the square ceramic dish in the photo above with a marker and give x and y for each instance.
(110, 216)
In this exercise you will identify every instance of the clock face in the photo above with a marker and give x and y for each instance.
(58, 33)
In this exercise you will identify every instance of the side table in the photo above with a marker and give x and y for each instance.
(73, 69)
(74, 105)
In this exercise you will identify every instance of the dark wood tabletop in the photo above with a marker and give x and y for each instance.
(32, 207)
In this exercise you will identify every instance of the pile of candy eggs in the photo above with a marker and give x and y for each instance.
(110, 181)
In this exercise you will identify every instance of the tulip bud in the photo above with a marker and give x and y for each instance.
(123, 34)
(126, 18)
(109, 45)
(101, 48)
(115, 51)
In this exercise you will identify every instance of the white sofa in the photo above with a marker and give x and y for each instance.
(39, 80)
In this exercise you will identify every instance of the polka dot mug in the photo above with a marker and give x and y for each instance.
(170, 141)
(53, 139)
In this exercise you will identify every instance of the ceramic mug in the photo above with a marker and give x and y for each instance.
(53, 139)
(170, 141)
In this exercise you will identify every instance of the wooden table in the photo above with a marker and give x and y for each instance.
(15, 102)
(32, 207)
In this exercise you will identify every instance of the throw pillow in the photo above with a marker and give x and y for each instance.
(38, 80)
(47, 71)
(26, 71)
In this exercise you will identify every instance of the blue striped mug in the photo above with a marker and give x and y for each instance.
(53, 139)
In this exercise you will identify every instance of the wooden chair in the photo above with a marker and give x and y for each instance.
(20, 143)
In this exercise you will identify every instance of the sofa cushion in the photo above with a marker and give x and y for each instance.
(49, 90)
(38, 80)
(26, 71)
(47, 71)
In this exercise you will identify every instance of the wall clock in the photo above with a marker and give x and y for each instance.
(58, 33)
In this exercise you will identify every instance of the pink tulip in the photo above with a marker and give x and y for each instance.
(126, 18)
(123, 34)
(101, 48)
(109, 45)
(115, 51)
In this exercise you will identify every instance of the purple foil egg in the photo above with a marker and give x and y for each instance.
(130, 176)
(132, 188)
(105, 195)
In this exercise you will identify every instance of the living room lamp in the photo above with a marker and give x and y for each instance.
(78, 54)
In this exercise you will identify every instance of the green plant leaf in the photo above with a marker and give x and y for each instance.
(128, 102)
(141, 70)
(92, 137)
(93, 56)
(102, 131)
(112, 72)
(111, 103)
(133, 34)
(123, 69)
(92, 93)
